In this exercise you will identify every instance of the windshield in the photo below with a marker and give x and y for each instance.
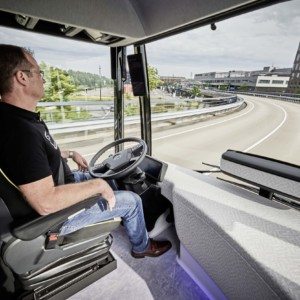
(201, 71)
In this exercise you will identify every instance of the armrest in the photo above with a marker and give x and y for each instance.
(41, 225)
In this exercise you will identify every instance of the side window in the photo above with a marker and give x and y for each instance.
(78, 101)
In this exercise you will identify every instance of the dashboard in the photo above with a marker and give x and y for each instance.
(154, 168)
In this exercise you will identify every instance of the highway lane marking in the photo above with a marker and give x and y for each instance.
(190, 130)
(262, 139)
(205, 126)
(272, 132)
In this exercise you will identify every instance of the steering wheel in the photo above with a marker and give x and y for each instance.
(120, 164)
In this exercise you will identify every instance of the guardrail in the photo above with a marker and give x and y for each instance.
(84, 126)
(220, 100)
(281, 97)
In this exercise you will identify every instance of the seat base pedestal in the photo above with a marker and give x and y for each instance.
(70, 286)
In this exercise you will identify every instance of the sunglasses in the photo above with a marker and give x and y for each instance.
(34, 71)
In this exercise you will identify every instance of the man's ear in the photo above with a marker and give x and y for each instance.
(21, 78)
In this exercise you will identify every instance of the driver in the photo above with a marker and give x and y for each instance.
(31, 159)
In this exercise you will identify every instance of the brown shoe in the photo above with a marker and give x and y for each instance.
(156, 248)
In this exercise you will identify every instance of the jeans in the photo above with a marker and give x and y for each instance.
(128, 207)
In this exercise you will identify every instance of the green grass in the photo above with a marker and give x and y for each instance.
(91, 98)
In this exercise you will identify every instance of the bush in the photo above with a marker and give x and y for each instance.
(56, 114)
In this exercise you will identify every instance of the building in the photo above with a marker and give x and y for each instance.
(206, 77)
(271, 79)
(272, 83)
(294, 82)
(267, 79)
(230, 78)
(171, 79)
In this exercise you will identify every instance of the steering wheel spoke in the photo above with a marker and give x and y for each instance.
(100, 168)
(133, 159)
(109, 172)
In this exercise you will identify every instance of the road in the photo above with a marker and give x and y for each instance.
(265, 127)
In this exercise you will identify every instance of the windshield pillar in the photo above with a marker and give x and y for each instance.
(144, 101)
(118, 74)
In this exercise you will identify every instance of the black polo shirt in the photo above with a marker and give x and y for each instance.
(27, 151)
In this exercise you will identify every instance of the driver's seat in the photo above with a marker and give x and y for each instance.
(40, 264)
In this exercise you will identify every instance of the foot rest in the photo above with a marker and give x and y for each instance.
(269, 174)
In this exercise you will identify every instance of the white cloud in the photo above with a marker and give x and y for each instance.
(267, 37)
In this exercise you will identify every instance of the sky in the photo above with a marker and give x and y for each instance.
(268, 37)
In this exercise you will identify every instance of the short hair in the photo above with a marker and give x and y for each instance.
(12, 59)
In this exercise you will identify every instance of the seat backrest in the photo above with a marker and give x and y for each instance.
(5, 218)
(11, 196)
(14, 208)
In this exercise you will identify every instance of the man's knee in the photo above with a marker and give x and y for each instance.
(130, 198)
(136, 198)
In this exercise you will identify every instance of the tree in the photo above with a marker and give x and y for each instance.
(59, 84)
(196, 91)
(154, 80)
(89, 80)
(244, 87)
(224, 87)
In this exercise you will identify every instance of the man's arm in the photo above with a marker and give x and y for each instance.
(46, 198)
(79, 159)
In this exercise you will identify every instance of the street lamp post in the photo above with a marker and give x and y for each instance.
(100, 84)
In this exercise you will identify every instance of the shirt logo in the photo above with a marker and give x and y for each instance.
(50, 139)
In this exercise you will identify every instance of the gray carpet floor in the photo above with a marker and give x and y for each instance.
(148, 278)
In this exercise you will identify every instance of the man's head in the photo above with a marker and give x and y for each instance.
(19, 71)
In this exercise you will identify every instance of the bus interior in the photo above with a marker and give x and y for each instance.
(234, 224)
